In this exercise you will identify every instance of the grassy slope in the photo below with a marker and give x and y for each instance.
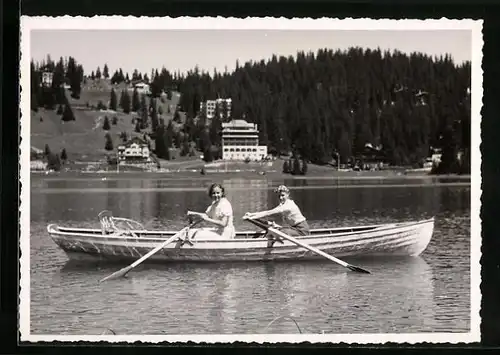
(83, 138)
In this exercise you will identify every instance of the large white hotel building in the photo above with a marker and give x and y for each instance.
(240, 140)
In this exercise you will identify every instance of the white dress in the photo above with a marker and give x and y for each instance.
(218, 210)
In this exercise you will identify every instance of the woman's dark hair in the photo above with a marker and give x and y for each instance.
(213, 186)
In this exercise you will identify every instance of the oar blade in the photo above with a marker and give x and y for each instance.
(117, 274)
(357, 269)
(124, 271)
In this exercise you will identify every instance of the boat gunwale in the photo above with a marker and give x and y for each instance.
(55, 230)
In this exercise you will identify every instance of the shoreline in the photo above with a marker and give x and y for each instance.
(190, 169)
(245, 175)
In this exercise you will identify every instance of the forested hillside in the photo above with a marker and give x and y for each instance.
(318, 105)
(338, 101)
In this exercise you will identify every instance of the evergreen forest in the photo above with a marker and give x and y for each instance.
(318, 106)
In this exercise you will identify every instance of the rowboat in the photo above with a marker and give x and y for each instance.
(394, 239)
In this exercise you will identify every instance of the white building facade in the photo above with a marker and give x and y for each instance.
(47, 79)
(142, 88)
(240, 141)
(134, 151)
(212, 104)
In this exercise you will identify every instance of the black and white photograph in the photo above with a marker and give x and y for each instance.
(255, 180)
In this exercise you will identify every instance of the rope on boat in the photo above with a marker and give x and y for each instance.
(284, 317)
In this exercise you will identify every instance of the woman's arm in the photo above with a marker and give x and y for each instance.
(222, 223)
(262, 214)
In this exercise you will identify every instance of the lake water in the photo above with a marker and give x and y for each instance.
(430, 293)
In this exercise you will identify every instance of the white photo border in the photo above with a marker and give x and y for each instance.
(219, 23)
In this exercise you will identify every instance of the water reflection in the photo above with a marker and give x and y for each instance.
(253, 194)
(328, 206)
(461, 201)
(240, 298)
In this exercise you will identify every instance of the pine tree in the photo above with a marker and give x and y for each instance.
(160, 148)
(64, 155)
(155, 87)
(125, 101)
(135, 75)
(105, 72)
(108, 145)
(68, 114)
(449, 163)
(113, 101)
(154, 119)
(36, 92)
(136, 102)
(115, 79)
(144, 112)
(185, 148)
(74, 76)
(124, 136)
(286, 167)
(58, 75)
(303, 170)
(106, 126)
(122, 96)
(53, 162)
(296, 166)
(34, 102)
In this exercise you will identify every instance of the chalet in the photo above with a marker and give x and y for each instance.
(37, 159)
(135, 150)
(36, 154)
(371, 157)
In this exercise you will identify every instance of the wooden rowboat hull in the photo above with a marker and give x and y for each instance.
(398, 239)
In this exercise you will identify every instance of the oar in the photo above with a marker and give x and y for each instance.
(125, 270)
(306, 246)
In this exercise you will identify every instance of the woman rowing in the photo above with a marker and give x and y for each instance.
(219, 213)
(289, 211)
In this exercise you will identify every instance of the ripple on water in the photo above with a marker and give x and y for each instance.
(427, 294)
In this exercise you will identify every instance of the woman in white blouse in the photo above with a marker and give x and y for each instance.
(219, 213)
(289, 211)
